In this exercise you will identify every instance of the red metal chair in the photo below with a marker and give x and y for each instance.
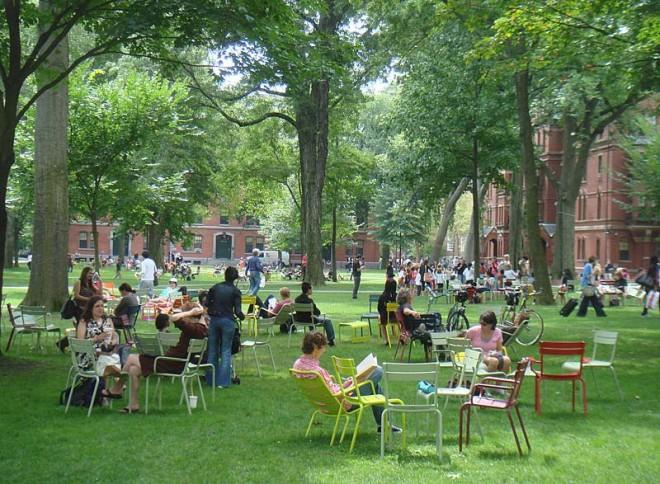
(556, 350)
(510, 389)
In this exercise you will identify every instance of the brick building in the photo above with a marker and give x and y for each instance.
(215, 238)
(602, 227)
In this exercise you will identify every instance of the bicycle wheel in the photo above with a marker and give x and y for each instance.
(457, 322)
(532, 329)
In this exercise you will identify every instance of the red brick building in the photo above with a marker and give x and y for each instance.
(602, 227)
(217, 237)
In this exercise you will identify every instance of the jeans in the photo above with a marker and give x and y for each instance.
(375, 377)
(149, 286)
(255, 279)
(327, 326)
(221, 334)
(356, 285)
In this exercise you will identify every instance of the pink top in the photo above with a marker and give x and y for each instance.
(280, 304)
(307, 363)
(490, 344)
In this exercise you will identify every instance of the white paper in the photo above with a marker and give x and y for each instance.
(367, 365)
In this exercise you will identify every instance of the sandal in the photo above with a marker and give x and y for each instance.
(108, 394)
(128, 410)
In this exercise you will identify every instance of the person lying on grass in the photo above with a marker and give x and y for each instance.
(313, 347)
(192, 326)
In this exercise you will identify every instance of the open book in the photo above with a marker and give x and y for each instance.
(366, 366)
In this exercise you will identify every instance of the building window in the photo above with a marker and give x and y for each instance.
(260, 243)
(581, 248)
(600, 164)
(199, 219)
(249, 244)
(598, 206)
(251, 221)
(197, 242)
(82, 240)
(624, 250)
(224, 220)
(598, 249)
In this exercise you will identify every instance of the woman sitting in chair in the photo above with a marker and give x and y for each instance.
(488, 338)
(313, 347)
(192, 326)
(388, 296)
(285, 299)
(95, 325)
(410, 317)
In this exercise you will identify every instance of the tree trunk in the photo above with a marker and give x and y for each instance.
(516, 218)
(469, 248)
(439, 245)
(11, 238)
(385, 254)
(333, 244)
(155, 243)
(50, 234)
(536, 252)
(95, 238)
(476, 208)
(312, 127)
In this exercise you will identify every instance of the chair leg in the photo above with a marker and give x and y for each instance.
(573, 382)
(513, 429)
(438, 437)
(584, 395)
(11, 339)
(311, 422)
(185, 395)
(383, 426)
(357, 429)
(522, 426)
(593, 376)
(201, 392)
(256, 360)
(68, 400)
(146, 398)
(481, 432)
(272, 360)
(334, 430)
(537, 395)
(91, 404)
(616, 381)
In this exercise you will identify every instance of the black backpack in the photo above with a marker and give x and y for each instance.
(82, 393)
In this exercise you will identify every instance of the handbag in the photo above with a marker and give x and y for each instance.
(644, 280)
(588, 291)
(69, 309)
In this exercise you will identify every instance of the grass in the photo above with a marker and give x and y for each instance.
(255, 431)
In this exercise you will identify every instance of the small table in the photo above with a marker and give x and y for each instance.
(354, 326)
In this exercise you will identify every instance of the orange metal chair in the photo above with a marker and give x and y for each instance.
(550, 369)
(510, 388)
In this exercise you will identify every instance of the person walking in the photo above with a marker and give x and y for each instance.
(652, 274)
(147, 273)
(589, 290)
(356, 273)
(255, 269)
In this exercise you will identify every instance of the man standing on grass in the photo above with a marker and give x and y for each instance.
(255, 269)
(357, 275)
(147, 273)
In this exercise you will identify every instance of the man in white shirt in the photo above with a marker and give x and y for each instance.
(147, 273)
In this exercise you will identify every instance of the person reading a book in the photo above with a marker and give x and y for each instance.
(314, 345)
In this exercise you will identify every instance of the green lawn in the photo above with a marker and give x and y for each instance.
(255, 431)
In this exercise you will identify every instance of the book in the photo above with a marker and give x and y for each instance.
(366, 366)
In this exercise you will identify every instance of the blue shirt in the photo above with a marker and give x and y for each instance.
(587, 272)
(254, 264)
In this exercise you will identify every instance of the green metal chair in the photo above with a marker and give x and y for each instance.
(371, 314)
(21, 327)
(190, 372)
(268, 325)
(410, 373)
(298, 310)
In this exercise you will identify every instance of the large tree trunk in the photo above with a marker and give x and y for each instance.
(50, 235)
(439, 246)
(155, 235)
(516, 218)
(12, 239)
(536, 251)
(312, 127)
(470, 244)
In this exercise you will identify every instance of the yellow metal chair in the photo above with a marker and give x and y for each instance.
(345, 368)
(392, 326)
(251, 317)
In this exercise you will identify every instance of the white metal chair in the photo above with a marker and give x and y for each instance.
(299, 309)
(20, 327)
(39, 316)
(253, 344)
(440, 348)
(83, 358)
(602, 339)
(410, 373)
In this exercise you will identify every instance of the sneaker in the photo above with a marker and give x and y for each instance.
(331, 343)
(395, 429)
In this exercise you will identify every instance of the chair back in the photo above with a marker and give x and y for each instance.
(303, 308)
(147, 344)
(316, 391)
(457, 348)
(196, 347)
(32, 315)
(391, 307)
(554, 353)
(345, 368)
(605, 338)
(410, 373)
(249, 301)
(518, 378)
(83, 356)
(284, 316)
(469, 366)
(132, 313)
(167, 341)
(373, 299)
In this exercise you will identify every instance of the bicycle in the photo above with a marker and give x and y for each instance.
(456, 319)
(523, 324)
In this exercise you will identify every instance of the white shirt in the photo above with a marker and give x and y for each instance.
(510, 274)
(147, 270)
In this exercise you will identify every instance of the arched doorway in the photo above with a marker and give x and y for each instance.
(493, 248)
(223, 246)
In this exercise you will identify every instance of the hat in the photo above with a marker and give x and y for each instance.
(174, 280)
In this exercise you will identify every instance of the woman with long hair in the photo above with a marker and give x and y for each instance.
(84, 288)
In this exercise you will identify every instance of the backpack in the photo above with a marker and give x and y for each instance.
(82, 393)
(236, 341)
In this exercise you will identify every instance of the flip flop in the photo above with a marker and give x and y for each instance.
(128, 410)
(108, 394)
